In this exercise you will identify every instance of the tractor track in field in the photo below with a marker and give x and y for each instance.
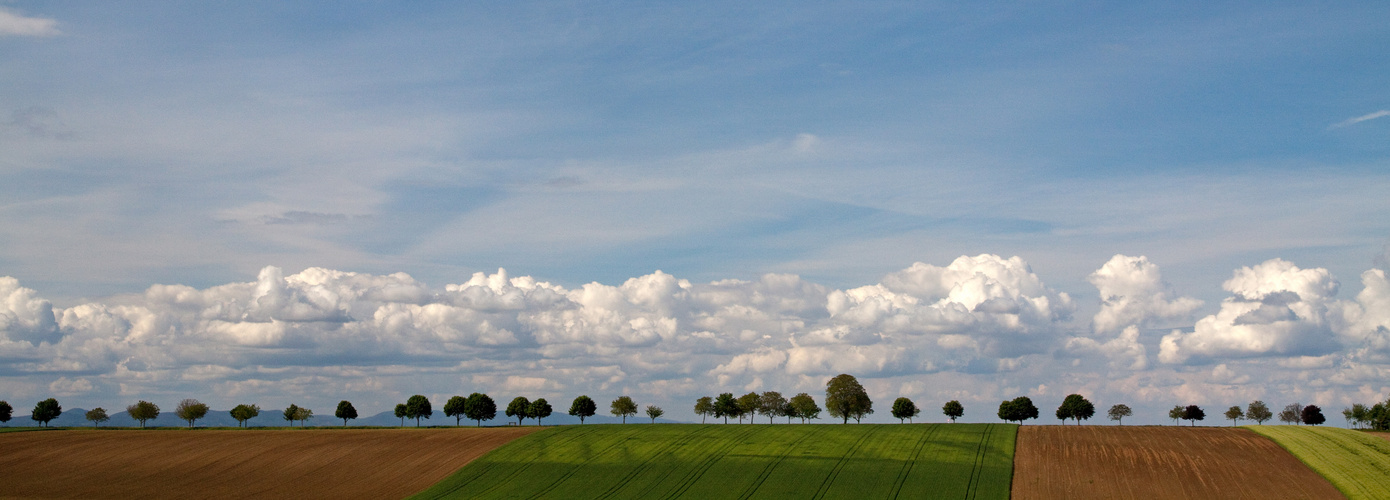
(647, 464)
(907, 466)
(490, 466)
(840, 465)
(691, 478)
(767, 470)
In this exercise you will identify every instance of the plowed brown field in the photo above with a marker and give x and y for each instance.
(1115, 462)
(350, 463)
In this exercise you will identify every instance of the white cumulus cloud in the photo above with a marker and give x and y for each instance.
(13, 24)
(1132, 292)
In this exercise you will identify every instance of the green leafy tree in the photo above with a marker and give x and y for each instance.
(623, 407)
(1176, 413)
(46, 410)
(1234, 414)
(191, 410)
(1356, 415)
(520, 408)
(770, 404)
(1312, 415)
(1258, 412)
(748, 405)
(1292, 414)
(904, 408)
(1378, 417)
(654, 412)
(1075, 406)
(1193, 413)
(401, 412)
(454, 408)
(953, 410)
(418, 407)
(6, 411)
(97, 415)
(726, 406)
(583, 407)
(143, 411)
(788, 411)
(345, 411)
(1119, 412)
(1019, 409)
(540, 408)
(805, 407)
(291, 414)
(704, 407)
(303, 415)
(244, 412)
(480, 407)
(846, 399)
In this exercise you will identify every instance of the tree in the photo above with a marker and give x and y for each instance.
(418, 407)
(244, 412)
(1075, 406)
(1193, 413)
(6, 411)
(1258, 412)
(1119, 412)
(1176, 413)
(345, 411)
(1312, 415)
(1019, 409)
(1292, 414)
(97, 415)
(454, 408)
(704, 407)
(191, 410)
(1234, 414)
(726, 406)
(904, 408)
(623, 407)
(748, 405)
(520, 407)
(770, 404)
(654, 412)
(582, 407)
(789, 411)
(143, 411)
(291, 414)
(953, 410)
(540, 408)
(1378, 417)
(46, 411)
(303, 415)
(480, 407)
(401, 413)
(846, 399)
(1356, 415)
(805, 407)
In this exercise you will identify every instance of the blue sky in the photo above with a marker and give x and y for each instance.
(841, 142)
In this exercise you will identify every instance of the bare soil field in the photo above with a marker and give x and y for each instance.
(314, 463)
(1382, 435)
(1156, 463)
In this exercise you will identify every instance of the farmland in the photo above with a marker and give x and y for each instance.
(319, 463)
(745, 461)
(1158, 462)
(1357, 463)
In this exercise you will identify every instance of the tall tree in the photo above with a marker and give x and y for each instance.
(1357, 414)
(345, 411)
(846, 399)
(520, 407)
(97, 415)
(1234, 414)
(583, 407)
(748, 405)
(1292, 414)
(904, 408)
(401, 412)
(540, 408)
(1119, 412)
(770, 404)
(244, 412)
(1193, 413)
(191, 410)
(480, 407)
(46, 410)
(6, 411)
(704, 407)
(1176, 413)
(1075, 406)
(953, 410)
(726, 406)
(1312, 415)
(654, 412)
(143, 411)
(418, 407)
(623, 407)
(454, 408)
(1258, 412)
(291, 414)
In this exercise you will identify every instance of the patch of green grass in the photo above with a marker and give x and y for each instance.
(1356, 463)
(26, 429)
(744, 461)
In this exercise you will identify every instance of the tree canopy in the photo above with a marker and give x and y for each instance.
(244, 412)
(480, 407)
(772, 404)
(345, 411)
(1075, 406)
(401, 413)
(6, 411)
(46, 411)
(583, 407)
(904, 408)
(1019, 409)
(143, 411)
(540, 408)
(805, 407)
(454, 408)
(418, 407)
(704, 407)
(1312, 415)
(1119, 412)
(520, 407)
(623, 407)
(1292, 414)
(1258, 412)
(953, 410)
(1234, 414)
(846, 399)
(97, 415)
(726, 406)
(291, 414)
(654, 412)
(1193, 413)
(191, 410)
(748, 405)
(1176, 413)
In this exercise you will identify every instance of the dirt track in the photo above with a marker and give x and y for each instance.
(1156, 463)
(315, 463)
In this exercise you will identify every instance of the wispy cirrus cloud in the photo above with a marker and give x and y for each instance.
(1363, 118)
(12, 24)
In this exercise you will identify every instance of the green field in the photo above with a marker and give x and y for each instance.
(1355, 462)
(744, 461)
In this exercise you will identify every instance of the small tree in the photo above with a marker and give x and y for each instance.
(1234, 415)
(805, 407)
(1019, 409)
(540, 408)
(1258, 412)
(1176, 413)
(1312, 415)
(303, 415)
(845, 398)
(904, 408)
(401, 412)
(1292, 414)
(788, 411)
(623, 407)
(1119, 412)
(1356, 415)
(583, 407)
(1075, 406)
(345, 411)
(454, 408)
(291, 414)
(770, 404)
(244, 412)
(6, 411)
(46, 410)
(97, 415)
(418, 407)
(726, 406)
(704, 407)
(1193, 413)
(654, 412)
(748, 405)
(143, 411)
(520, 408)
(480, 407)
(191, 410)
(953, 410)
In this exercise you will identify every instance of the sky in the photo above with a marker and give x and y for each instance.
(1148, 203)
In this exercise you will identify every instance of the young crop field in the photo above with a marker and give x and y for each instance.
(1144, 462)
(958, 461)
(1357, 463)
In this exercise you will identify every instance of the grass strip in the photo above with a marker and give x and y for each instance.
(1356, 463)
